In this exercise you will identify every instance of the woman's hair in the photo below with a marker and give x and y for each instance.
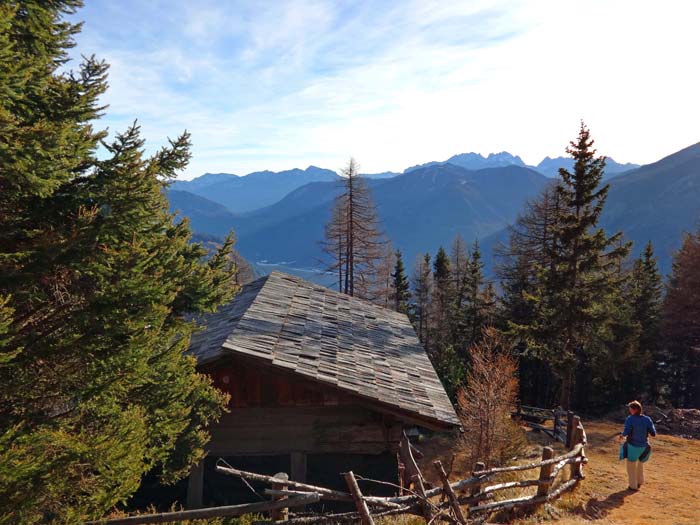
(636, 406)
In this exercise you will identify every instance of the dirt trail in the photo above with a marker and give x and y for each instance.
(670, 496)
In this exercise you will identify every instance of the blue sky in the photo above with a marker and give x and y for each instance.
(275, 84)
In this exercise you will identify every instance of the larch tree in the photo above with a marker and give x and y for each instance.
(486, 400)
(97, 283)
(353, 240)
(380, 289)
(520, 262)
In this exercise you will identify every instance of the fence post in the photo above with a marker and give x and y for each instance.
(545, 472)
(447, 490)
(424, 502)
(557, 423)
(576, 438)
(569, 428)
(360, 503)
(476, 488)
(281, 484)
(401, 472)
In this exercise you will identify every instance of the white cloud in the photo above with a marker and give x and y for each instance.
(282, 84)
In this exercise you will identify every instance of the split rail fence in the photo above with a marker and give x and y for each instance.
(459, 501)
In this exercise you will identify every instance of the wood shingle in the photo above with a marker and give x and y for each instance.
(327, 337)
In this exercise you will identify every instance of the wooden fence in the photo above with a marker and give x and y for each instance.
(564, 422)
(460, 501)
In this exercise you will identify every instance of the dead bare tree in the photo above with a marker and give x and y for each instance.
(353, 242)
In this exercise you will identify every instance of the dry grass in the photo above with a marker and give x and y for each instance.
(671, 495)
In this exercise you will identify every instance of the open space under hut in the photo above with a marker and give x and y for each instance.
(320, 383)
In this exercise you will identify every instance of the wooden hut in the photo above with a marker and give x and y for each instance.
(316, 378)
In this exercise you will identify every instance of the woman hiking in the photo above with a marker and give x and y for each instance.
(636, 449)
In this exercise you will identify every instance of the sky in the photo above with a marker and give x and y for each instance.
(276, 84)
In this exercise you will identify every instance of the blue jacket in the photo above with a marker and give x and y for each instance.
(637, 428)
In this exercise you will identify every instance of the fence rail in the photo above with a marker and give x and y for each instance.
(461, 501)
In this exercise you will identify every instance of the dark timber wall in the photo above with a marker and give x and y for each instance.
(282, 421)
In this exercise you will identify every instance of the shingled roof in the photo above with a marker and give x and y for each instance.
(328, 337)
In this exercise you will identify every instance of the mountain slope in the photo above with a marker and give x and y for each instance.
(419, 211)
(255, 190)
(657, 202)
(205, 216)
(550, 167)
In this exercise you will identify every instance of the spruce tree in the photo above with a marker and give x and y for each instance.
(442, 298)
(474, 315)
(97, 282)
(574, 292)
(647, 304)
(401, 289)
(421, 307)
(681, 325)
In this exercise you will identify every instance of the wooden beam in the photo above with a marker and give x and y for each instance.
(424, 501)
(298, 466)
(451, 496)
(357, 497)
(195, 486)
(406, 455)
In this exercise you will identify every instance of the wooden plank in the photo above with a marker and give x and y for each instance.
(451, 496)
(357, 497)
(298, 466)
(195, 486)
(211, 512)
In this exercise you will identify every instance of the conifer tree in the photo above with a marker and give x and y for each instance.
(681, 324)
(401, 289)
(96, 281)
(474, 311)
(647, 304)
(574, 292)
(520, 262)
(422, 288)
(353, 241)
(377, 287)
(442, 298)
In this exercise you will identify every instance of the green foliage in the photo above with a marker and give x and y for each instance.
(400, 287)
(97, 285)
(681, 326)
(567, 283)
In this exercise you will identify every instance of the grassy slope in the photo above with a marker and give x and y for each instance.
(668, 497)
